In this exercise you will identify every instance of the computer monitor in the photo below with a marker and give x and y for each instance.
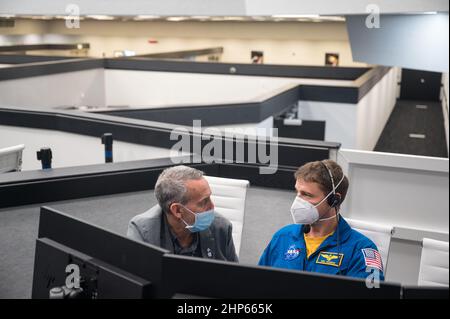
(198, 277)
(423, 292)
(109, 265)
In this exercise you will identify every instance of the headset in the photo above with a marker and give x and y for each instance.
(333, 199)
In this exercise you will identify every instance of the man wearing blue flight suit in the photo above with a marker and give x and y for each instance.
(321, 240)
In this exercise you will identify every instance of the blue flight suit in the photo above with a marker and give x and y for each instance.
(352, 257)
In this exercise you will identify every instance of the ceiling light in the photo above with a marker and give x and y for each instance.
(332, 18)
(296, 16)
(145, 17)
(41, 17)
(234, 18)
(203, 18)
(258, 18)
(176, 19)
(100, 17)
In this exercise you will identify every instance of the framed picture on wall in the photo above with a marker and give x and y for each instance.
(332, 59)
(257, 57)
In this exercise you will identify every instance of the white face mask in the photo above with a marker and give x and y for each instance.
(305, 213)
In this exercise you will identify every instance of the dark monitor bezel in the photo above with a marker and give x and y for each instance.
(425, 292)
(138, 258)
(221, 279)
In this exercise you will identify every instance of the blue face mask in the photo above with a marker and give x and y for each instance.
(202, 220)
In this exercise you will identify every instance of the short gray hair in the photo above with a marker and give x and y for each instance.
(171, 185)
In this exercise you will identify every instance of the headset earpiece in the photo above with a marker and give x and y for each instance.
(334, 200)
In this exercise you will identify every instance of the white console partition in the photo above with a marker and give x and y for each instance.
(11, 158)
(76, 88)
(406, 191)
(73, 149)
(356, 126)
(153, 89)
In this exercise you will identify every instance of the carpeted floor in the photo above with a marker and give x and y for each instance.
(412, 117)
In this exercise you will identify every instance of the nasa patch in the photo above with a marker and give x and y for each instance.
(291, 253)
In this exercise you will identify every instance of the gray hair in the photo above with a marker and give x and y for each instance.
(171, 185)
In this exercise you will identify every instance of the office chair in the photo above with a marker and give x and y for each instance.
(380, 234)
(229, 196)
(433, 263)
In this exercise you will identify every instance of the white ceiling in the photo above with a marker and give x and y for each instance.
(218, 7)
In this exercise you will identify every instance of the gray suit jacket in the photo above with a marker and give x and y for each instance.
(216, 242)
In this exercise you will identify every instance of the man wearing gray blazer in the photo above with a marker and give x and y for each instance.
(184, 221)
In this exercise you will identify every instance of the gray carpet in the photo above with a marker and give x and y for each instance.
(405, 119)
(266, 211)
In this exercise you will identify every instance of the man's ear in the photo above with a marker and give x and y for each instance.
(174, 209)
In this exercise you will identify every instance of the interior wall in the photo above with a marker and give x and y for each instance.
(356, 126)
(396, 189)
(323, 31)
(235, 50)
(163, 89)
(374, 111)
(64, 89)
(301, 43)
(414, 41)
(23, 27)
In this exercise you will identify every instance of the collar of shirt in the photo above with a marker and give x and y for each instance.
(313, 243)
(169, 236)
(344, 233)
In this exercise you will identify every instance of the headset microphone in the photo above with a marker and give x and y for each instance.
(306, 229)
